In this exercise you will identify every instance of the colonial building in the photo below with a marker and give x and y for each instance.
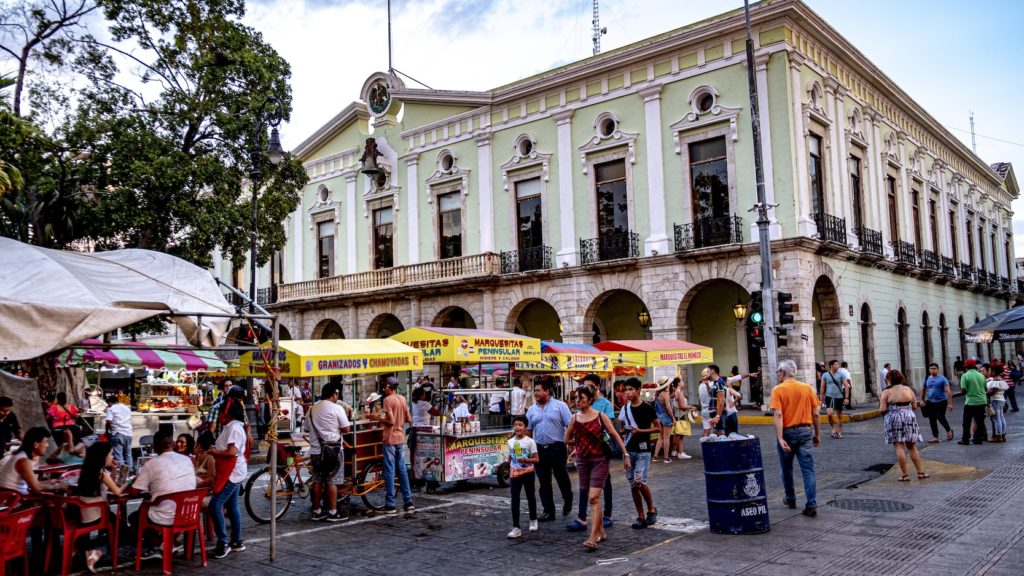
(609, 199)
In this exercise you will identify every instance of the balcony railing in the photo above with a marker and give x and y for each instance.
(709, 232)
(1004, 284)
(831, 228)
(536, 258)
(993, 280)
(966, 272)
(610, 246)
(234, 299)
(980, 277)
(929, 260)
(870, 240)
(266, 296)
(947, 266)
(466, 267)
(906, 252)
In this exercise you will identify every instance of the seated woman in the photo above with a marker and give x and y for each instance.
(205, 464)
(185, 445)
(94, 485)
(72, 450)
(17, 469)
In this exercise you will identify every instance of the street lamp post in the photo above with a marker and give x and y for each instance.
(269, 114)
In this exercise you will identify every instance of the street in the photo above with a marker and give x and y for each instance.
(965, 519)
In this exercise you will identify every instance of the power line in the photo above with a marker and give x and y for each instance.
(987, 137)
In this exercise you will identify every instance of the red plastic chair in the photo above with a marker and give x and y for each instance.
(71, 528)
(187, 520)
(13, 529)
(9, 500)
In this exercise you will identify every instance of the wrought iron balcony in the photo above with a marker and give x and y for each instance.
(929, 260)
(906, 252)
(948, 268)
(831, 228)
(980, 277)
(536, 258)
(234, 299)
(1004, 284)
(993, 280)
(709, 232)
(870, 240)
(966, 272)
(611, 246)
(266, 296)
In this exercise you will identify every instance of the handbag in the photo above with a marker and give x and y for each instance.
(682, 427)
(609, 446)
(330, 453)
(990, 411)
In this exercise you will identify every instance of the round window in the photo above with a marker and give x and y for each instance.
(607, 127)
(705, 102)
(525, 147)
(447, 162)
(324, 194)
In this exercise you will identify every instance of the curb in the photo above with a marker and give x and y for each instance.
(770, 420)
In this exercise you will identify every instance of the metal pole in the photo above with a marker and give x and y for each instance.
(252, 239)
(272, 380)
(768, 381)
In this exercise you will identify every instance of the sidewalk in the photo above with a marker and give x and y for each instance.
(965, 519)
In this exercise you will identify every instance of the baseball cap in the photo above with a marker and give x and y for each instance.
(391, 382)
(970, 363)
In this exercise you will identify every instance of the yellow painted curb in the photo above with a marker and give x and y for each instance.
(760, 419)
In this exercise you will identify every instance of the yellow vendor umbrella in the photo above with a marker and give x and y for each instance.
(465, 346)
(301, 358)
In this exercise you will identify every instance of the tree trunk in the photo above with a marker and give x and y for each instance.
(53, 379)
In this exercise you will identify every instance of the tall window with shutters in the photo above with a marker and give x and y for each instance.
(894, 228)
(325, 249)
(383, 238)
(817, 174)
(449, 220)
(855, 193)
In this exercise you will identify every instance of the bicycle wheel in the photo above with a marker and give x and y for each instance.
(374, 472)
(504, 472)
(258, 494)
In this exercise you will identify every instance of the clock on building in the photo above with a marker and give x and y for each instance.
(379, 97)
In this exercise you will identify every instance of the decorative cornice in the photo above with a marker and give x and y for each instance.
(717, 115)
(651, 93)
(563, 117)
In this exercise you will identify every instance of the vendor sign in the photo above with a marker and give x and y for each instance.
(302, 358)
(656, 352)
(465, 346)
(567, 357)
(464, 457)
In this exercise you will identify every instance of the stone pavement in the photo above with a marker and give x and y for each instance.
(966, 519)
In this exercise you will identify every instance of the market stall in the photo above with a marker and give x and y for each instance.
(161, 386)
(566, 363)
(467, 447)
(654, 354)
(359, 363)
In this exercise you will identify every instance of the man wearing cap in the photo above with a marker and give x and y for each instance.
(324, 427)
(394, 417)
(973, 385)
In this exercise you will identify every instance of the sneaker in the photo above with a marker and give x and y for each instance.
(319, 515)
(673, 454)
(151, 554)
(534, 526)
(639, 524)
(221, 550)
(338, 516)
(684, 456)
(515, 533)
(607, 522)
(390, 510)
(408, 507)
(652, 518)
(237, 546)
(178, 549)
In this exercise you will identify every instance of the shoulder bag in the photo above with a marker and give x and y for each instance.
(609, 446)
(330, 452)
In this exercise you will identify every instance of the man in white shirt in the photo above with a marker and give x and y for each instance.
(326, 423)
(169, 472)
(295, 394)
(884, 382)
(519, 397)
(119, 428)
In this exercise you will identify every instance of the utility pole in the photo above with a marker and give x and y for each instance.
(769, 376)
(974, 141)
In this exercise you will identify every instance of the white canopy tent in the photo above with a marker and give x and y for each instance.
(52, 299)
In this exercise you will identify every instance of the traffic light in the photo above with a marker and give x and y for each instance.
(755, 333)
(785, 300)
(781, 337)
(756, 314)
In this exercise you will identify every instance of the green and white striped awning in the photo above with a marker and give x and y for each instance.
(142, 356)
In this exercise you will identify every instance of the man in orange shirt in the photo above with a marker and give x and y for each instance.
(394, 416)
(796, 426)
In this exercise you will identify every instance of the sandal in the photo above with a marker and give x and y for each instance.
(834, 435)
(923, 475)
(949, 435)
(590, 546)
(903, 478)
(840, 436)
(933, 441)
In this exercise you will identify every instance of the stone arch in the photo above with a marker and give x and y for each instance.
(327, 329)
(828, 321)
(867, 344)
(624, 324)
(432, 309)
(535, 317)
(283, 333)
(510, 303)
(384, 326)
(454, 317)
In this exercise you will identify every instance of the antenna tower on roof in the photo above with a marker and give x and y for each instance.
(598, 31)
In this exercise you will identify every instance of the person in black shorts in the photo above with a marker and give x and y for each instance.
(833, 396)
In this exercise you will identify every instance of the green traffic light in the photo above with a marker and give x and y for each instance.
(756, 317)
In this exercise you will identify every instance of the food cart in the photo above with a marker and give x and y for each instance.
(163, 390)
(567, 362)
(449, 450)
(364, 449)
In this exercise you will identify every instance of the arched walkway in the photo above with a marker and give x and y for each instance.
(454, 317)
(283, 333)
(946, 367)
(963, 338)
(535, 317)
(384, 326)
(618, 315)
(328, 330)
(708, 319)
(828, 322)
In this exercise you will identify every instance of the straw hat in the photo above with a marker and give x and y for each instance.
(691, 414)
(662, 383)
(372, 398)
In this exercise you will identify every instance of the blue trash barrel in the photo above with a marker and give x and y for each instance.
(736, 494)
